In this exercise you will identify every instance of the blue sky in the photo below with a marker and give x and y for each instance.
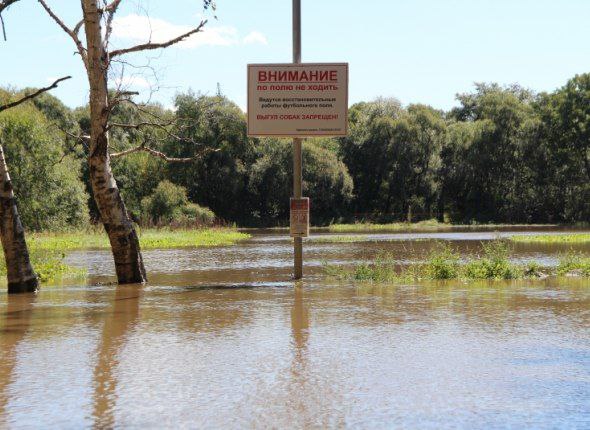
(419, 51)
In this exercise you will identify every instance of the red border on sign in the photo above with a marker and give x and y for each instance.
(319, 134)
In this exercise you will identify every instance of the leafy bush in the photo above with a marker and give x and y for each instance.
(197, 214)
(443, 263)
(169, 204)
(494, 264)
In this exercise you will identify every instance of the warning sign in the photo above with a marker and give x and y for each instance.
(297, 100)
(299, 217)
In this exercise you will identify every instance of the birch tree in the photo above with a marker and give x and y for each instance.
(19, 271)
(98, 58)
(21, 276)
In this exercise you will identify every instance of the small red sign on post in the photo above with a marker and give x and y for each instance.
(299, 217)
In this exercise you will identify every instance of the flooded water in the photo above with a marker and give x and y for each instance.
(222, 338)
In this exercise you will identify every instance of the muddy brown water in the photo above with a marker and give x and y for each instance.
(222, 338)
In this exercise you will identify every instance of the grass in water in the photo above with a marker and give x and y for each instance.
(48, 250)
(328, 238)
(443, 263)
(395, 226)
(421, 226)
(553, 238)
(48, 265)
(148, 239)
(574, 263)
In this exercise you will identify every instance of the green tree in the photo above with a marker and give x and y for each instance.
(46, 178)
(325, 180)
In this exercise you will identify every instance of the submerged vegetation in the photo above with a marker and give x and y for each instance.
(443, 263)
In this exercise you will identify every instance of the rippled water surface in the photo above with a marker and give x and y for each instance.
(222, 338)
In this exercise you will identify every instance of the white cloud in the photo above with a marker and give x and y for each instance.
(143, 29)
(132, 81)
(255, 37)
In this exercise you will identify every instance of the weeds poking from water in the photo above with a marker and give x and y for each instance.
(574, 264)
(443, 263)
(494, 264)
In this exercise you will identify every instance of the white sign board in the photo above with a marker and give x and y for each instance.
(299, 217)
(298, 100)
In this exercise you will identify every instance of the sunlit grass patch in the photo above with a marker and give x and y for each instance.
(552, 238)
(49, 266)
(328, 238)
(428, 225)
(161, 239)
(148, 239)
(48, 250)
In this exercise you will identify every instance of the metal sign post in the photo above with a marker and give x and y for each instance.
(298, 100)
(297, 152)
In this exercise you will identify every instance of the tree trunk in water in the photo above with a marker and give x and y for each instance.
(20, 273)
(113, 213)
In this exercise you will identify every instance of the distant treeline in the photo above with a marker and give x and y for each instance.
(505, 154)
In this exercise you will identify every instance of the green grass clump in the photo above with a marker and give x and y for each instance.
(494, 264)
(553, 238)
(574, 262)
(443, 263)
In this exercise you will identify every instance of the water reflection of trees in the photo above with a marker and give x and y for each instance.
(17, 319)
(118, 324)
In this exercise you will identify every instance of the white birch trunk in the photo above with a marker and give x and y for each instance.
(113, 213)
(20, 273)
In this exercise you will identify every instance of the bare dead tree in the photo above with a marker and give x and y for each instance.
(19, 270)
(98, 58)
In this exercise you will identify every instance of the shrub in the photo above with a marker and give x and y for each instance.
(195, 214)
(169, 204)
(494, 264)
(443, 263)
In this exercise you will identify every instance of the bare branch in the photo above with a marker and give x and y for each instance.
(150, 45)
(110, 9)
(144, 148)
(84, 138)
(78, 26)
(112, 6)
(4, 5)
(71, 33)
(32, 95)
(161, 126)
